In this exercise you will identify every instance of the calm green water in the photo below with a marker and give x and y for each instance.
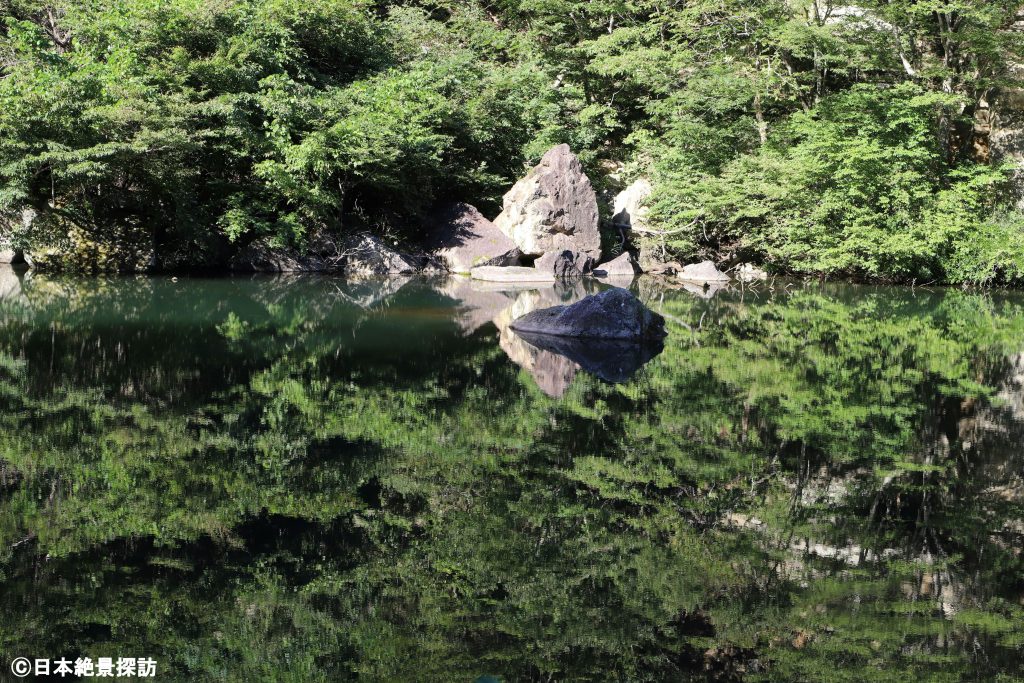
(304, 480)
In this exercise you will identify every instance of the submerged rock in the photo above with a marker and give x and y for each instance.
(704, 273)
(553, 208)
(512, 274)
(612, 314)
(463, 240)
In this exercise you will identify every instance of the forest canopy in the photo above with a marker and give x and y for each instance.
(816, 138)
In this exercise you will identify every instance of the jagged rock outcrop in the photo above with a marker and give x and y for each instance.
(553, 208)
(462, 239)
(368, 256)
(999, 132)
(566, 265)
(261, 256)
(612, 314)
(58, 243)
(11, 231)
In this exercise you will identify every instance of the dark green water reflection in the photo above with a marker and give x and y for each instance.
(305, 480)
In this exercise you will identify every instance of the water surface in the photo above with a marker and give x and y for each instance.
(304, 479)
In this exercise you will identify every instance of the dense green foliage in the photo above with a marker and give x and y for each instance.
(816, 485)
(816, 137)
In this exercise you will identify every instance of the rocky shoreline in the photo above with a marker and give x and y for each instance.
(548, 230)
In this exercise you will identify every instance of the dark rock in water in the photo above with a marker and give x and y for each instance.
(612, 314)
(463, 240)
(566, 266)
(609, 359)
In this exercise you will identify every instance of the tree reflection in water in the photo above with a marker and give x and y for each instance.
(307, 479)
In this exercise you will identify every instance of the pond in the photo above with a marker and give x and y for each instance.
(306, 479)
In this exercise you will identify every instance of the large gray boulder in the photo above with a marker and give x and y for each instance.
(704, 273)
(629, 210)
(9, 256)
(553, 208)
(463, 239)
(612, 314)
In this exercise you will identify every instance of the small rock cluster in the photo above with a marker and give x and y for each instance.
(549, 231)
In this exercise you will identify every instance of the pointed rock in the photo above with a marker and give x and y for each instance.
(553, 208)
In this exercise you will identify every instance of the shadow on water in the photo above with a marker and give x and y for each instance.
(302, 478)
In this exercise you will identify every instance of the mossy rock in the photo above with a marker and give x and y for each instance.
(59, 244)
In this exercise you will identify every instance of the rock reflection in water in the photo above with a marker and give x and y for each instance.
(10, 283)
(553, 363)
(553, 372)
(611, 360)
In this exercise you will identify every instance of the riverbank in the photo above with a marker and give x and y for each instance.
(179, 135)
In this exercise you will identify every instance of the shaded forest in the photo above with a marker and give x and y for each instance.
(873, 141)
